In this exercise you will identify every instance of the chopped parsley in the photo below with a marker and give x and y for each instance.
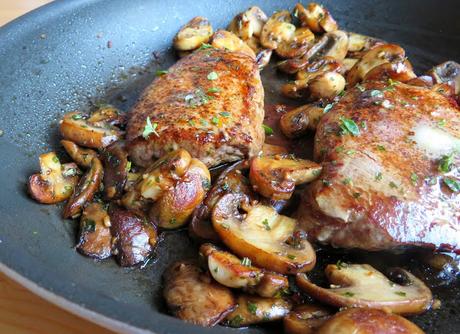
(192, 122)
(400, 293)
(204, 122)
(212, 76)
(328, 107)
(376, 93)
(453, 184)
(442, 122)
(159, 73)
(446, 163)
(252, 307)
(414, 178)
(346, 181)
(266, 224)
(291, 256)
(348, 294)
(89, 225)
(381, 148)
(214, 90)
(268, 130)
(215, 120)
(77, 117)
(340, 264)
(379, 176)
(236, 321)
(224, 114)
(326, 183)
(197, 98)
(173, 221)
(205, 46)
(128, 166)
(150, 128)
(393, 185)
(70, 172)
(245, 261)
(55, 159)
(360, 88)
(225, 186)
(348, 125)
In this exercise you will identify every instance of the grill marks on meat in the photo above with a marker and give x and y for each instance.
(383, 188)
(216, 117)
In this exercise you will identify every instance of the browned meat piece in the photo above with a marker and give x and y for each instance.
(395, 182)
(209, 103)
(194, 296)
(135, 238)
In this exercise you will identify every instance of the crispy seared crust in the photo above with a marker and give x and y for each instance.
(219, 127)
(367, 195)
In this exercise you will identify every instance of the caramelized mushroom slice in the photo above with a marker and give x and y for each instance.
(56, 182)
(316, 17)
(332, 44)
(326, 86)
(249, 23)
(359, 43)
(225, 40)
(401, 71)
(106, 114)
(448, 72)
(269, 149)
(278, 29)
(86, 189)
(348, 64)
(232, 272)
(255, 310)
(306, 319)
(76, 128)
(231, 180)
(82, 156)
(196, 32)
(368, 321)
(379, 55)
(193, 296)
(95, 239)
(297, 46)
(297, 122)
(116, 168)
(176, 204)
(268, 239)
(134, 237)
(276, 177)
(360, 285)
(263, 58)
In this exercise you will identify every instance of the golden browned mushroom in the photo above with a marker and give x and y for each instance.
(401, 71)
(225, 40)
(448, 72)
(269, 149)
(299, 121)
(361, 285)
(84, 192)
(368, 321)
(193, 296)
(75, 127)
(298, 45)
(116, 168)
(269, 240)
(175, 206)
(316, 17)
(306, 319)
(379, 55)
(276, 177)
(95, 239)
(278, 29)
(358, 43)
(82, 156)
(106, 114)
(254, 310)
(196, 32)
(249, 23)
(56, 182)
(233, 272)
(326, 86)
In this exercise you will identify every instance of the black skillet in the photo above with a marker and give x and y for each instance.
(70, 54)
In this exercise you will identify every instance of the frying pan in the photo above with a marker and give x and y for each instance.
(69, 55)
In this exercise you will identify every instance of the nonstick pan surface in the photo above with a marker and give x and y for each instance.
(72, 54)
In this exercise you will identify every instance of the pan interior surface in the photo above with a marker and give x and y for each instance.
(70, 55)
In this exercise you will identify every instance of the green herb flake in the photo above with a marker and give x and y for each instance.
(70, 172)
(77, 117)
(356, 195)
(442, 122)
(236, 321)
(192, 122)
(347, 181)
(159, 73)
(326, 183)
(340, 264)
(266, 224)
(381, 148)
(225, 186)
(225, 226)
(400, 293)
(328, 107)
(206, 184)
(214, 90)
(360, 88)
(339, 149)
(363, 124)
(415, 98)
(245, 261)
(204, 122)
(56, 159)
(453, 184)
(266, 316)
(446, 163)
(376, 93)
(268, 130)
(150, 128)
(291, 256)
(205, 46)
(224, 114)
(216, 270)
(252, 307)
(89, 225)
(393, 185)
(348, 294)
(379, 176)
(348, 125)
(173, 221)
(212, 76)
(215, 120)
(414, 178)
(350, 152)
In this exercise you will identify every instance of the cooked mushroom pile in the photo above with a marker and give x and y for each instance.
(248, 247)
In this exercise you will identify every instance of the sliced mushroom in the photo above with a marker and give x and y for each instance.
(231, 180)
(249, 23)
(401, 71)
(56, 181)
(379, 55)
(348, 64)
(367, 320)
(359, 43)
(297, 122)
(196, 32)
(263, 58)
(225, 40)
(254, 310)
(269, 149)
(107, 114)
(298, 45)
(326, 86)
(82, 156)
(276, 177)
(116, 168)
(268, 239)
(193, 296)
(448, 72)
(361, 285)
(232, 272)
(75, 127)
(278, 29)
(95, 239)
(157, 178)
(421, 81)
(176, 204)
(316, 17)
(306, 319)
(135, 238)
(84, 192)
